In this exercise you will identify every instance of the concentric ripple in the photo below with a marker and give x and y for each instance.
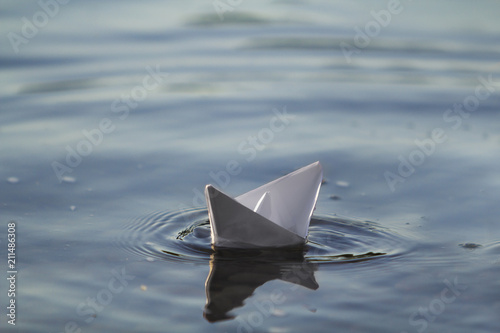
(185, 236)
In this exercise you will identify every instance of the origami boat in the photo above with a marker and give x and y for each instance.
(276, 214)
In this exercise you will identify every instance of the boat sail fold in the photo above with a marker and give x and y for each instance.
(276, 214)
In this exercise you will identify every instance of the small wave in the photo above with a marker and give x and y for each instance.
(185, 236)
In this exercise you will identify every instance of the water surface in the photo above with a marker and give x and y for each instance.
(114, 116)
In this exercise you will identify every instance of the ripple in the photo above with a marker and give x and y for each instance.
(234, 19)
(185, 236)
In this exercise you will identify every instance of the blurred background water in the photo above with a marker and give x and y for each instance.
(115, 114)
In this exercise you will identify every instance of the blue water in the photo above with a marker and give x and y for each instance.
(114, 116)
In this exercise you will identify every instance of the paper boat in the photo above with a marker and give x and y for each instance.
(276, 214)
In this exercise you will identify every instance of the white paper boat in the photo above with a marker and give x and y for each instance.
(276, 214)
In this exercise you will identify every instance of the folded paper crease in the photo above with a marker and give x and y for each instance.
(273, 215)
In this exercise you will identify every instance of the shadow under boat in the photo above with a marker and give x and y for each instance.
(236, 274)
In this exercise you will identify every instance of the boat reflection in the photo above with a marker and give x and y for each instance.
(236, 274)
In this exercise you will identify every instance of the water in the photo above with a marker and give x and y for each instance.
(169, 236)
(114, 116)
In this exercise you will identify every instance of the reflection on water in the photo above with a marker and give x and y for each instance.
(234, 276)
